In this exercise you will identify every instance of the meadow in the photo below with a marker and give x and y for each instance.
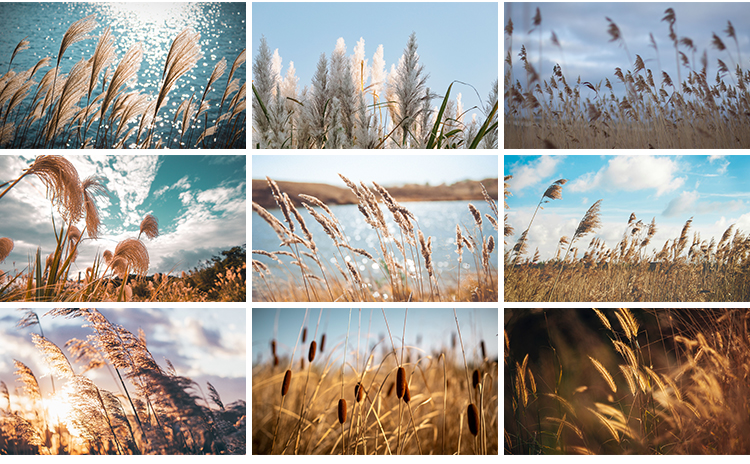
(626, 381)
(92, 105)
(400, 268)
(340, 111)
(114, 275)
(355, 394)
(154, 411)
(656, 110)
(684, 269)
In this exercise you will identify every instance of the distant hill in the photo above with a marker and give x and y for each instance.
(465, 191)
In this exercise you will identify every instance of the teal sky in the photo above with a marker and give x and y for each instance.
(199, 201)
(456, 41)
(202, 345)
(713, 190)
(386, 170)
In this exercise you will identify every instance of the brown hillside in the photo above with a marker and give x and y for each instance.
(467, 190)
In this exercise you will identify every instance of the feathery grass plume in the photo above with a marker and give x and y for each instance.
(6, 246)
(605, 374)
(126, 71)
(182, 57)
(407, 87)
(22, 45)
(30, 383)
(133, 255)
(104, 55)
(62, 182)
(149, 227)
(54, 356)
(72, 91)
(92, 187)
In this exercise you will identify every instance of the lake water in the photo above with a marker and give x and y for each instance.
(155, 25)
(436, 219)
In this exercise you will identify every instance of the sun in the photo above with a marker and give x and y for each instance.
(58, 411)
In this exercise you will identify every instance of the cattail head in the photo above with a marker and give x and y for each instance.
(273, 347)
(473, 415)
(304, 335)
(390, 389)
(287, 381)
(400, 382)
(407, 393)
(359, 392)
(322, 342)
(484, 349)
(311, 354)
(476, 378)
(342, 411)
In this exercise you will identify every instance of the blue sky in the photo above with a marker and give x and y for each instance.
(199, 201)
(434, 326)
(386, 170)
(713, 190)
(581, 29)
(457, 41)
(202, 345)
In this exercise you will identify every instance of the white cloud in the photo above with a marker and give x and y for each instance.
(532, 174)
(631, 173)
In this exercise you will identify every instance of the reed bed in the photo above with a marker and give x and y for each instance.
(684, 269)
(656, 111)
(310, 278)
(383, 399)
(620, 381)
(78, 110)
(114, 275)
(156, 412)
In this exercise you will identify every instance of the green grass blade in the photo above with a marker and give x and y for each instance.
(483, 130)
(433, 133)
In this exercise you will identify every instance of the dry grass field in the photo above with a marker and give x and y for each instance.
(684, 269)
(386, 398)
(619, 381)
(694, 110)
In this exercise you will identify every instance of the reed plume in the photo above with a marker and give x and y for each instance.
(6, 246)
(92, 187)
(149, 227)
